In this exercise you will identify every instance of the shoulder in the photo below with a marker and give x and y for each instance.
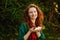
(23, 26)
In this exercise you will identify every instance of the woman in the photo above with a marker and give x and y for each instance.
(31, 29)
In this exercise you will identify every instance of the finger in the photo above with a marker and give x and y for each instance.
(36, 30)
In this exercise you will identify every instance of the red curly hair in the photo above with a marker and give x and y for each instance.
(39, 19)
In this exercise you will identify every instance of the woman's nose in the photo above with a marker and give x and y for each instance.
(33, 13)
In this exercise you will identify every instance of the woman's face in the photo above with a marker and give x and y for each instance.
(32, 12)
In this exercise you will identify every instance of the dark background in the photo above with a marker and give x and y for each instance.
(12, 14)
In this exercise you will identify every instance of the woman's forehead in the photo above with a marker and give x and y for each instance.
(32, 9)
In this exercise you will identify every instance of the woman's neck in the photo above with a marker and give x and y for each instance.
(33, 21)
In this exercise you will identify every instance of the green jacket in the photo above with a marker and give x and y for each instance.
(23, 29)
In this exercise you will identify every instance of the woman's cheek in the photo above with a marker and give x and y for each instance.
(30, 15)
(36, 15)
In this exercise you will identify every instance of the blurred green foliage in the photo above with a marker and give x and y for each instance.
(12, 14)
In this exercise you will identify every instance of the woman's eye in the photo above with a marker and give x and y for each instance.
(30, 12)
(34, 11)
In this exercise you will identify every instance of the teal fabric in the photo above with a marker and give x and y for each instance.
(23, 29)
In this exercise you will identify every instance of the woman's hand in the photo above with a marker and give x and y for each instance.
(31, 29)
(28, 33)
(37, 29)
